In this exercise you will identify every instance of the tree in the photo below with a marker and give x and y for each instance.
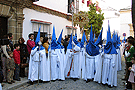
(95, 18)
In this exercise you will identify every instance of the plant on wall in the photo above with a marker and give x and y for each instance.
(95, 18)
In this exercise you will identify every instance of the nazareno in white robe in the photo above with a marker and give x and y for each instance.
(118, 60)
(60, 69)
(112, 79)
(83, 64)
(57, 64)
(76, 66)
(106, 68)
(68, 59)
(90, 67)
(98, 68)
(33, 66)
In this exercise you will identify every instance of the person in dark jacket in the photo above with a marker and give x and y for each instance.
(10, 37)
(66, 44)
(23, 56)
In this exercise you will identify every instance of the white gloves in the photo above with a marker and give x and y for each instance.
(73, 43)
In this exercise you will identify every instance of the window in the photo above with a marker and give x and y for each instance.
(69, 5)
(44, 30)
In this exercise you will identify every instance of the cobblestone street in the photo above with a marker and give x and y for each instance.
(80, 84)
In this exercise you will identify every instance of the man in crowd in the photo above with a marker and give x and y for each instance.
(30, 42)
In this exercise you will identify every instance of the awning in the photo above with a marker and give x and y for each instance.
(39, 21)
(70, 27)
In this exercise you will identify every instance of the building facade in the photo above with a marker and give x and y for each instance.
(126, 22)
(21, 17)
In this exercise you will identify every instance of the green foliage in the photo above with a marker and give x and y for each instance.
(96, 19)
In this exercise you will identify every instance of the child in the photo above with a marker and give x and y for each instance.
(10, 68)
(16, 55)
(132, 74)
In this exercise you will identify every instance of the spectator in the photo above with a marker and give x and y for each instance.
(10, 36)
(132, 74)
(23, 56)
(46, 45)
(41, 39)
(10, 68)
(5, 47)
(16, 55)
(66, 44)
(129, 54)
(30, 43)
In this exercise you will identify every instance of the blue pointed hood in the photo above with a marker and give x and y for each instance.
(109, 47)
(60, 37)
(83, 40)
(38, 37)
(91, 48)
(59, 40)
(70, 43)
(119, 43)
(37, 41)
(76, 42)
(99, 40)
(54, 44)
(94, 36)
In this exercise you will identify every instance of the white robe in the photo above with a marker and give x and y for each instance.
(119, 60)
(57, 64)
(34, 63)
(98, 67)
(90, 67)
(112, 79)
(60, 70)
(54, 64)
(122, 47)
(83, 60)
(106, 68)
(76, 66)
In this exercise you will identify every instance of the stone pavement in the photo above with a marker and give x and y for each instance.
(68, 84)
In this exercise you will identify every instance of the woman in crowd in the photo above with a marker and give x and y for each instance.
(23, 56)
(5, 48)
(46, 45)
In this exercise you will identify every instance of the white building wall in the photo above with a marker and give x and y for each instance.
(59, 22)
(59, 5)
(108, 15)
(125, 19)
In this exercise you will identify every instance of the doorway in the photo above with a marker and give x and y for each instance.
(3, 26)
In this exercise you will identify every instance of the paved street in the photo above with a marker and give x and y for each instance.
(69, 84)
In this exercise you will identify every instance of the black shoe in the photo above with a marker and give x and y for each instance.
(18, 79)
(13, 81)
(30, 82)
(9, 82)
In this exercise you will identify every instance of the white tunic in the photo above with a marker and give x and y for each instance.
(35, 62)
(112, 79)
(83, 60)
(118, 60)
(98, 67)
(76, 66)
(90, 67)
(57, 64)
(60, 68)
(106, 68)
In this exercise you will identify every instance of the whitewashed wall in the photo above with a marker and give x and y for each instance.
(59, 5)
(125, 19)
(59, 22)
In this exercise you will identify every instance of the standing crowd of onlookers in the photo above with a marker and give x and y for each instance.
(15, 57)
(129, 55)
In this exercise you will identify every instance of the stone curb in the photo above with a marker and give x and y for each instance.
(15, 86)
